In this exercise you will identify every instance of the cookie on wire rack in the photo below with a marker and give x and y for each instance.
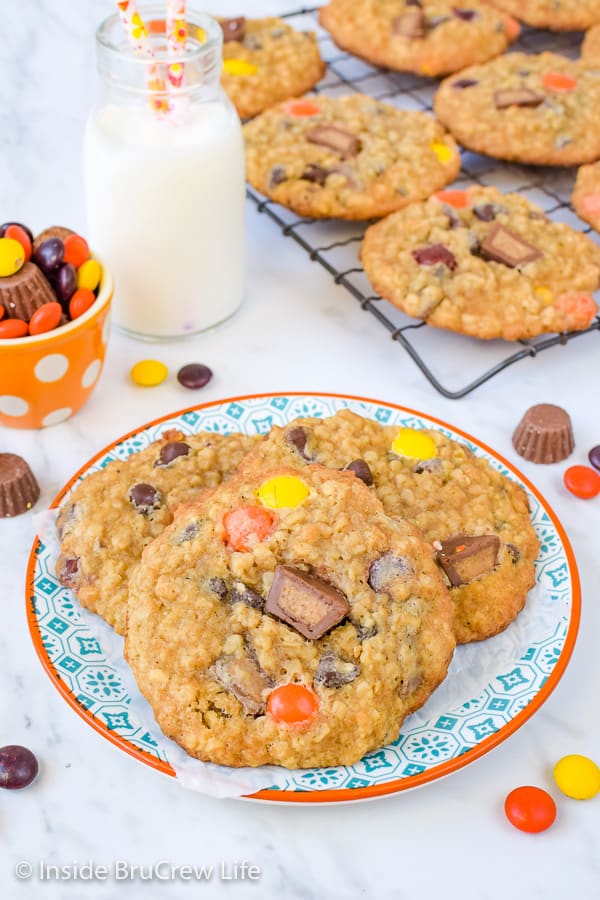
(556, 15)
(590, 49)
(586, 194)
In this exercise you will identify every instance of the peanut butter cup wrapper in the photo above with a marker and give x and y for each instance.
(24, 292)
(544, 435)
(55, 231)
(19, 489)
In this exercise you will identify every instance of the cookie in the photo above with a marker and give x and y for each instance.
(284, 618)
(538, 109)
(431, 37)
(590, 49)
(456, 499)
(556, 15)
(265, 61)
(586, 194)
(347, 157)
(113, 513)
(485, 264)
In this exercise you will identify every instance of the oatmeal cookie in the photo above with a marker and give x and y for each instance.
(265, 61)
(556, 15)
(586, 194)
(485, 264)
(348, 157)
(539, 109)
(590, 49)
(112, 514)
(431, 37)
(477, 519)
(284, 618)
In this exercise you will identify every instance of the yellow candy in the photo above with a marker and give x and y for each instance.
(443, 153)
(577, 776)
(284, 490)
(544, 294)
(239, 67)
(149, 372)
(12, 256)
(200, 35)
(89, 274)
(415, 444)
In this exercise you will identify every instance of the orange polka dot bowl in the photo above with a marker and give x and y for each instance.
(45, 378)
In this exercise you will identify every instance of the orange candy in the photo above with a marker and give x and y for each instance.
(45, 318)
(19, 234)
(76, 250)
(559, 81)
(292, 704)
(582, 481)
(578, 306)
(591, 204)
(2, 312)
(457, 199)
(512, 27)
(247, 526)
(80, 302)
(530, 809)
(13, 328)
(302, 108)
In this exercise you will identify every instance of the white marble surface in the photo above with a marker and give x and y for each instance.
(296, 331)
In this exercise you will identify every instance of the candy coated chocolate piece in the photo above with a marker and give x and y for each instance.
(233, 29)
(517, 97)
(462, 84)
(582, 481)
(12, 256)
(241, 593)
(333, 672)
(169, 452)
(297, 437)
(414, 443)
(194, 376)
(467, 15)
(410, 24)
(55, 231)
(361, 470)
(310, 605)
(19, 489)
(6, 225)
(335, 138)
(282, 491)
(242, 678)
(64, 282)
(505, 246)
(544, 434)
(577, 776)
(315, 173)
(465, 558)
(434, 254)
(18, 767)
(145, 497)
(594, 457)
(530, 809)
(384, 570)
(49, 255)
(149, 372)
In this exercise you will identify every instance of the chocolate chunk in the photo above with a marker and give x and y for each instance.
(241, 593)
(517, 97)
(465, 558)
(276, 176)
(453, 219)
(19, 489)
(297, 437)
(145, 497)
(171, 451)
(435, 253)
(514, 552)
(507, 247)
(364, 632)
(428, 465)
(67, 571)
(485, 212)
(233, 29)
(309, 604)
(316, 174)
(338, 139)
(333, 672)
(467, 15)
(544, 434)
(383, 571)
(242, 678)
(411, 24)
(219, 587)
(361, 470)
(462, 84)
(189, 533)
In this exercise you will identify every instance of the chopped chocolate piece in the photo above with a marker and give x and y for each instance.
(462, 84)
(67, 571)
(219, 587)
(514, 552)
(517, 97)
(467, 15)
(242, 678)
(335, 138)
(241, 593)
(276, 176)
(384, 570)
(453, 219)
(170, 452)
(297, 438)
(233, 29)
(189, 533)
(544, 434)
(507, 247)
(145, 497)
(315, 173)
(487, 212)
(364, 632)
(19, 489)
(435, 253)
(309, 604)
(428, 465)
(361, 470)
(464, 558)
(333, 672)
(410, 24)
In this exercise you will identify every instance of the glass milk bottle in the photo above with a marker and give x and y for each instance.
(164, 180)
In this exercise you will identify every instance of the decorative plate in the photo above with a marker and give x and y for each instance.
(515, 682)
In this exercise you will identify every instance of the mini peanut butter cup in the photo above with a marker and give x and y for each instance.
(24, 292)
(544, 434)
(55, 231)
(19, 489)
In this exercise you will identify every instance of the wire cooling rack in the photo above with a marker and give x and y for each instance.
(442, 356)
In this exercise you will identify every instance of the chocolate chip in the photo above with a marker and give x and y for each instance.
(410, 24)
(517, 97)
(316, 174)
(333, 672)
(467, 15)
(170, 452)
(435, 253)
(485, 212)
(218, 586)
(189, 533)
(67, 571)
(340, 140)
(464, 558)
(361, 470)
(233, 29)
(276, 176)
(514, 552)
(145, 497)
(310, 605)
(297, 437)
(384, 570)
(241, 593)
(462, 84)
(243, 678)
(505, 246)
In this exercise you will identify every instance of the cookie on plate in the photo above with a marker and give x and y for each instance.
(112, 514)
(556, 15)
(586, 194)
(265, 61)
(590, 49)
(284, 618)
(348, 157)
(485, 264)
(476, 518)
(431, 37)
(539, 109)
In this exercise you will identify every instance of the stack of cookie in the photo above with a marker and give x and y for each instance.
(291, 600)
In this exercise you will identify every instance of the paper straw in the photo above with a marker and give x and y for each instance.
(137, 35)
(176, 30)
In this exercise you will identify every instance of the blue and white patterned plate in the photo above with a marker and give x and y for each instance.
(492, 687)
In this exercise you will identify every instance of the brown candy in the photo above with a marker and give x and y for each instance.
(335, 138)
(505, 246)
(544, 434)
(464, 558)
(434, 254)
(309, 604)
(19, 489)
(55, 231)
(233, 29)
(24, 292)
(297, 438)
(517, 97)
(242, 678)
(411, 24)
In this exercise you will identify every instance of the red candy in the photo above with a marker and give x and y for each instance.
(530, 809)
(458, 199)
(76, 250)
(246, 526)
(19, 234)
(582, 481)
(80, 302)
(13, 328)
(292, 704)
(559, 81)
(45, 318)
